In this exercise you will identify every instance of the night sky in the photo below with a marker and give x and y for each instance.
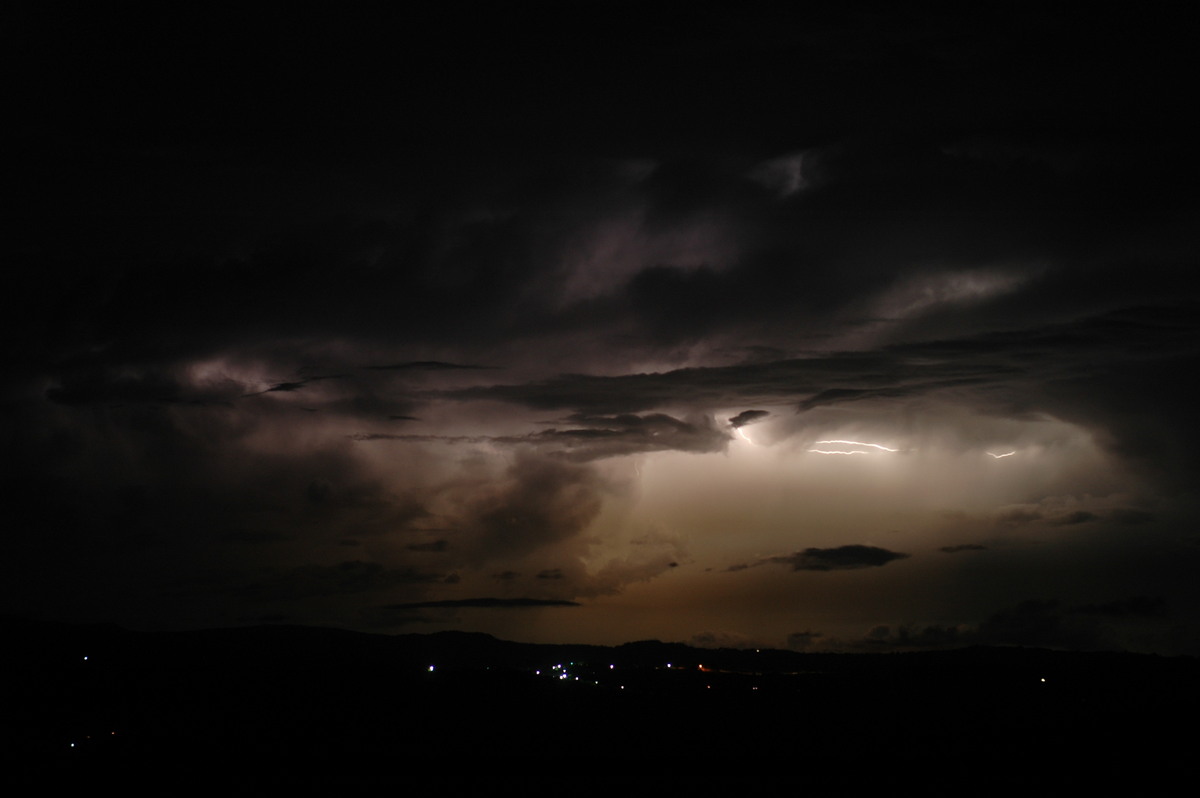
(856, 328)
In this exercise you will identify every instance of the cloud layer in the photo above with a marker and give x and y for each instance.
(429, 310)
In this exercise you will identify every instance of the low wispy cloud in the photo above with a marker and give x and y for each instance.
(484, 603)
(839, 558)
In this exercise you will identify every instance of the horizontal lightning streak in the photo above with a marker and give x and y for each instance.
(827, 451)
(861, 443)
(1006, 454)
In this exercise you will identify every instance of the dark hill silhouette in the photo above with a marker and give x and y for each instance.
(297, 704)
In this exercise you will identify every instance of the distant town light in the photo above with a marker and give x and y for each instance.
(431, 669)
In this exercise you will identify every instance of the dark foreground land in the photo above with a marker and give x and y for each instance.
(286, 705)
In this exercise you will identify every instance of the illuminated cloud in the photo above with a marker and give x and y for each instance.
(784, 175)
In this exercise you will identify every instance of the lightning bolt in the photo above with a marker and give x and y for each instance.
(745, 437)
(853, 443)
(1006, 454)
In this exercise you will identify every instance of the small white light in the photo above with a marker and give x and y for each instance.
(431, 669)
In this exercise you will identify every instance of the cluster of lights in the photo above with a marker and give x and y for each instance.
(560, 671)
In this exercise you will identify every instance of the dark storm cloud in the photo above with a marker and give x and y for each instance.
(1064, 369)
(485, 603)
(467, 263)
(1047, 512)
(729, 308)
(962, 547)
(609, 436)
(748, 417)
(537, 502)
(990, 209)
(289, 387)
(417, 438)
(595, 437)
(839, 558)
(427, 365)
